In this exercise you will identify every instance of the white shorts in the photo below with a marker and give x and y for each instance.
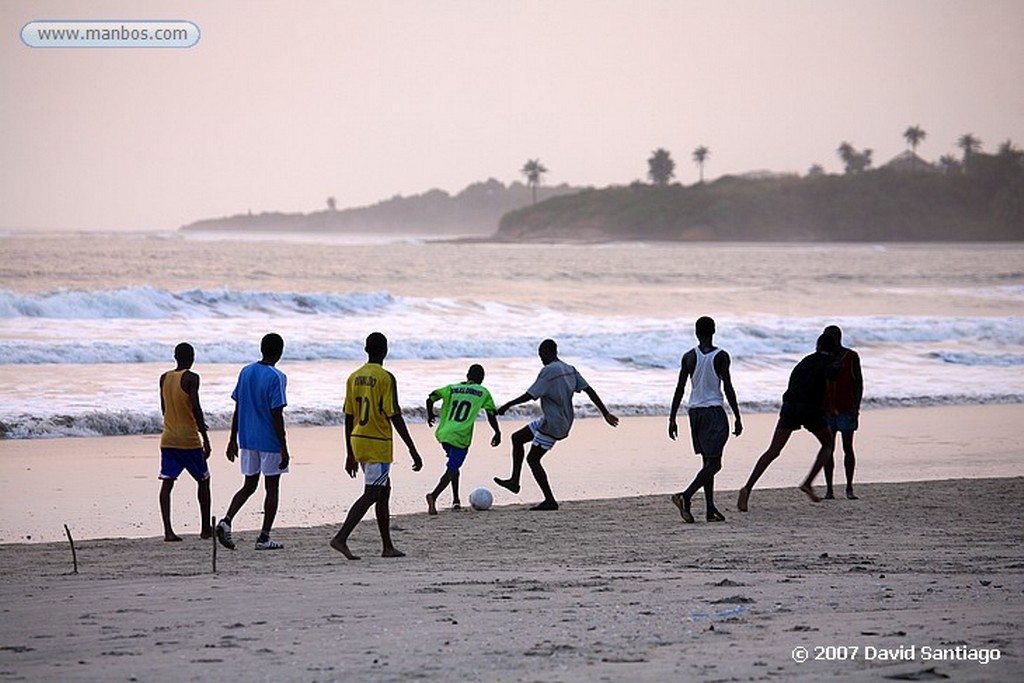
(261, 462)
(539, 438)
(377, 473)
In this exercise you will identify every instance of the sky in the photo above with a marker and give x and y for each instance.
(280, 105)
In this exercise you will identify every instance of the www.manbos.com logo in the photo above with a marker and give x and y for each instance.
(175, 33)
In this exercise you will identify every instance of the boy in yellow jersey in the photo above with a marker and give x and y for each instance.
(460, 405)
(371, 410)
(184, 444)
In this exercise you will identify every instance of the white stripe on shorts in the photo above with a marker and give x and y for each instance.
(540, 438)
(377, 473)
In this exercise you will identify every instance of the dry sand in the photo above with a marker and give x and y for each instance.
(616, 589)
(610, 590)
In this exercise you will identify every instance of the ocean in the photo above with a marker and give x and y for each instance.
(88, 322)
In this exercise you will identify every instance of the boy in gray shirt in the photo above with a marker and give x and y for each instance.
(554, 387)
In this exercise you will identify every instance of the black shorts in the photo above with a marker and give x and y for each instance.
(709, 429)
(793, 416)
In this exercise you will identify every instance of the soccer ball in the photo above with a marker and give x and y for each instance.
(480, 499)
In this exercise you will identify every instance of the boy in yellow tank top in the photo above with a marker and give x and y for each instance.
(184, 444)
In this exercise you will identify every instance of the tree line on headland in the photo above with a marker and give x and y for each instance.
(474, 211)
(975, 196)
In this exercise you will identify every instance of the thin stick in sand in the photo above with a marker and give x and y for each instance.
(213, 538)
(74, 555)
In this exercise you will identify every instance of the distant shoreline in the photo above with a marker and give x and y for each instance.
(884, 205)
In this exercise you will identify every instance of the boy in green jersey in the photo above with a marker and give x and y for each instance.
(460, 405)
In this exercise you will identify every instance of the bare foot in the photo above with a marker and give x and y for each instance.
(171, 537)
(809, 491)
(392, 552)
(507, 484)
(206, 534)
(431, 508)
(545, 505)
(850, 496)
(829, 495)
(741, 502)
(343, 549)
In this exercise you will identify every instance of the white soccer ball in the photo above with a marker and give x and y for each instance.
(481, 499)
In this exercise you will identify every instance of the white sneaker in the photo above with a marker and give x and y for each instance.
(269, 544)
(223, 533)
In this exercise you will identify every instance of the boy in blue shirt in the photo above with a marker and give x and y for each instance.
(258, 437)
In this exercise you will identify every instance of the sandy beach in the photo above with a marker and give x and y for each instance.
(610, 590)
(917, 580)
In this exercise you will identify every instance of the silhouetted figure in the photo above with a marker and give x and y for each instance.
(184, 444)
(805, 404)
(554, 387)
(708, 366)
(846, 418)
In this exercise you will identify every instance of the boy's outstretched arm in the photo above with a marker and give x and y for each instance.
(608, 417)
(525, 398)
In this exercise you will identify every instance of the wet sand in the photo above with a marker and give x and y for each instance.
(107, 487)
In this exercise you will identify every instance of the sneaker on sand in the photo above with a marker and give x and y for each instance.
(269, 544)
(224, 535)
(684, 507)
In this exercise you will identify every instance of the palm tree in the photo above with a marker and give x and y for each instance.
(970, 145)
(846, 152)
(855, 162)
(914, 135)
(949, 164)
(534, 172)
(700, 155)
(660, 166)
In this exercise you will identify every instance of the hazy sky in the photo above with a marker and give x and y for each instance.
(282, 104)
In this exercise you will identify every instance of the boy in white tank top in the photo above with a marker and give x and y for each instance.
(708, 366)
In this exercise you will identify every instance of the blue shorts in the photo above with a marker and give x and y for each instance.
(456, 456)
(174, 460)
(843, 422)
